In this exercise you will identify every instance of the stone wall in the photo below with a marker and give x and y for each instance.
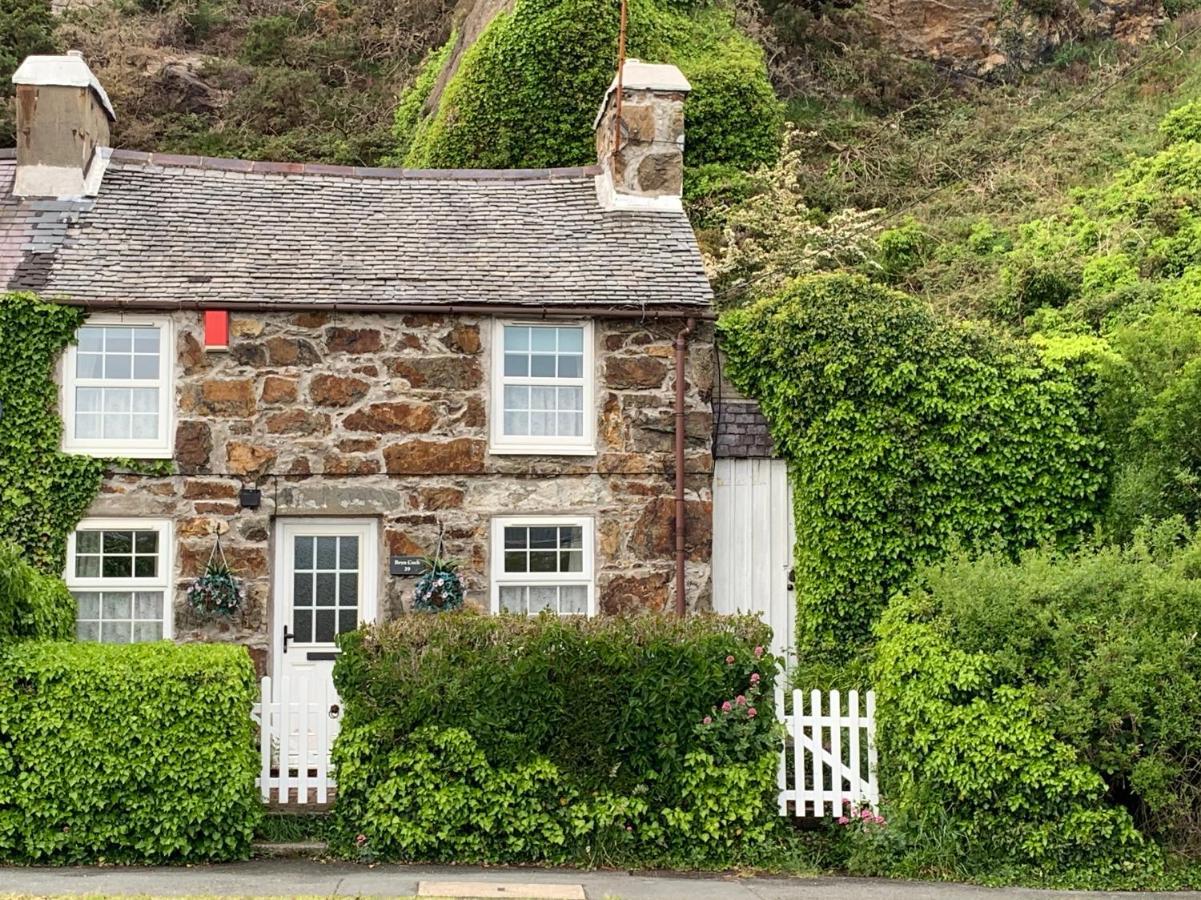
(386, 416)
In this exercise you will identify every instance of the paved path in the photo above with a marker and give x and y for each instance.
(290, 877)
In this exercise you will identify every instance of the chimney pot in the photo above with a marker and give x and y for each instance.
(645, 170)
(63, 119)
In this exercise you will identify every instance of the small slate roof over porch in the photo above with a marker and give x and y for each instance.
(168, 231)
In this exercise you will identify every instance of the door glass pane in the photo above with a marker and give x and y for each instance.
(302, 588)
(326, 586)
(303, 550)
(348, 589)
(348, 620)
(349, 557)
(326, 623)
(327, 553)
(302, 625)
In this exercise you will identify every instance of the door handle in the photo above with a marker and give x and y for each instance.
(335, 711)
(287, 637)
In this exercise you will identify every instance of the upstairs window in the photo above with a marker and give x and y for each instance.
(118, 388)
(542, 396)
(118, 571)
(543, 563)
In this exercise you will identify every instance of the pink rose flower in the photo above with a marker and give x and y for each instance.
(865, 813)
(843, 820)
(758, 652)
(751, 713)
(361, 839)
(729, 660)
(754, 678)
(740, 700)
(726, 707)
(708, 720)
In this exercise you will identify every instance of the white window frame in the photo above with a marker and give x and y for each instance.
(587, 577)
(166, 569)
(501, 443)
(161, 447)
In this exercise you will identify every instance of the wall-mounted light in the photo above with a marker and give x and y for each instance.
(250, 498)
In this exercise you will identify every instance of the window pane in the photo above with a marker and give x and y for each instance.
(145, 366)
(571, 561)
(573, 600)
(512, 599)
(571, 340)
(88, 399)
(542, 366)
(542, 424)
(87, 566)
(542, 398)
(118, 339)
(148, 605)
(117, 567)
(543, 597)
(89, 365)
(145, 541)
(303, 549)
(145, 566)
(87, 631)
(302, 588)
(116, 400)
(325, 584)
(87, 542)
(144, 426)
(148, 631)
(145, 340)
(349, 555)
(87, 425)
(302, 625)
(87, 605)
(544, 538)
(116, 605)
(144, 400)
(543, 339)
(571, 398)
(118, 542)
(516, 536)
(327, 553)
(516, 365)
(517, 423)
(544, 561)
(326, 626)
(571, 536)
(115, 632)
(517, 337)
(116, 425)
(515, 561)
(571, 366)
(517, 397)
(91, 338)
(117, 367)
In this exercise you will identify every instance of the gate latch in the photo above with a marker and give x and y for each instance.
(334, 711)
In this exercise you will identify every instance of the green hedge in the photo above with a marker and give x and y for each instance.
(32, 605)
(1046, 713)
(141, 753)
(469, 737)
(907, 433)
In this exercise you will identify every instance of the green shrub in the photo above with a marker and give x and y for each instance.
(525, 93)
(26, 26)
(903, 249)
(906, 433)
(469, 737)
(1182, 123)
(32, 605)
(135, 753)
(1050, 706)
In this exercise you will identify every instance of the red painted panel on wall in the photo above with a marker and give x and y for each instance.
(216, 329)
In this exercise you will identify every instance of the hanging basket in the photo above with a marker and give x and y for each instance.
(440, 589)
(217, 591)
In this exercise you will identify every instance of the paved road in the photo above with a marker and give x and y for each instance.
(290, 877)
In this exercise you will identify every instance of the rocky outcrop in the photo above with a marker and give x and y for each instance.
(984, 36)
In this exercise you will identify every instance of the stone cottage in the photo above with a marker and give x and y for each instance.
(350, 368)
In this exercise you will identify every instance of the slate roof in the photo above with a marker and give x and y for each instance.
(740, 431)
(167, 231)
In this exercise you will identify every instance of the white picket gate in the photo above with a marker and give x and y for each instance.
(296, 733)
(828, 759)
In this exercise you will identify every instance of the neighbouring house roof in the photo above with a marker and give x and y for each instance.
(168, 231)
(740, 431)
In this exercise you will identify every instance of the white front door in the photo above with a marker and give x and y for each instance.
(326, 583)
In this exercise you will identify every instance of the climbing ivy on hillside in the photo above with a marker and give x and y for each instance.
(908, 434)
(43, 491)
(525, 93)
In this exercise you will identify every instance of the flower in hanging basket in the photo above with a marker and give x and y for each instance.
(216, 591)
(440, 588)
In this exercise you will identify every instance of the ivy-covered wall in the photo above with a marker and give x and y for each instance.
(525, 93)
(43, 491)
(907, 434)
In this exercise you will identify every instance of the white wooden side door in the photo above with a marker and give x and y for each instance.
(326, 583)
(753, 541)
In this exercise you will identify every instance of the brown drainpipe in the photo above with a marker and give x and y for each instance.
(681, 346)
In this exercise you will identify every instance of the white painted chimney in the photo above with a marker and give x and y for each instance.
(63, 118)
(644, 166)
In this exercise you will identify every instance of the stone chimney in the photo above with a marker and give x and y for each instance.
(645, 170)
(63, 118)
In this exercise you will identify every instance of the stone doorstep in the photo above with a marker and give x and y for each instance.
(486, 890)
(290, 850)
